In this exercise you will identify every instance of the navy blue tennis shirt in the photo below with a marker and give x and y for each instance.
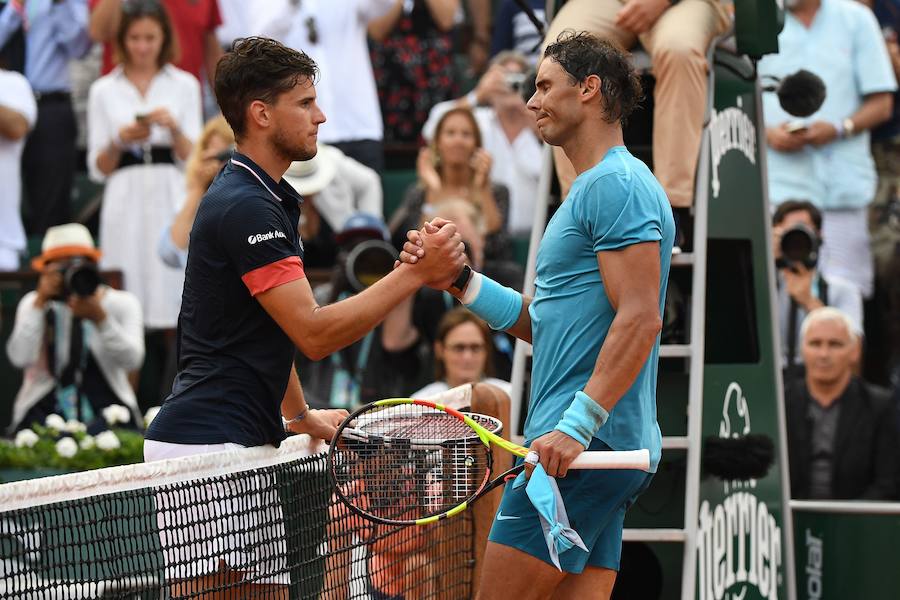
(234, 360)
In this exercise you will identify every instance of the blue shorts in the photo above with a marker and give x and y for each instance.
(596, 501)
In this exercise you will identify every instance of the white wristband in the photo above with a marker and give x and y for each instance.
(472, 289)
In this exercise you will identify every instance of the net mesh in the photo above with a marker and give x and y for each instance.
(255, 523)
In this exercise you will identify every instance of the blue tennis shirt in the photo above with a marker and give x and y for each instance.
(613, 205)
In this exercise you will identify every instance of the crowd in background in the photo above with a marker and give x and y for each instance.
(118, 92)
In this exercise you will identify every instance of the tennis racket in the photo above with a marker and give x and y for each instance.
(412, 462)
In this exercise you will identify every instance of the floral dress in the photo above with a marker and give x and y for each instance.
(414, 70)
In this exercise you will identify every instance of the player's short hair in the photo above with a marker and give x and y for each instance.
(258, 68)
(582, 54)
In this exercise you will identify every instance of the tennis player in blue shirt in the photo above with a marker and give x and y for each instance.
(594, 322)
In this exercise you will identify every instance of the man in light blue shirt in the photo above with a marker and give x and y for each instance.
(826, 157)
(55, 33)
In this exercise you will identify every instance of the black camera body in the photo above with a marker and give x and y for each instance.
(799, 246)
(80, 277)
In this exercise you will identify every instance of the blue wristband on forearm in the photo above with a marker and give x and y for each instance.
(582, 419)
(498, 305)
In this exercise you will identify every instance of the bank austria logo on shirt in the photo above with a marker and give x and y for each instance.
(262, 237)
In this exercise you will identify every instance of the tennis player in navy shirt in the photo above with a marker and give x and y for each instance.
(247, 303)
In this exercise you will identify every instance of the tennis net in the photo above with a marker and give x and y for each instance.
(258, 522)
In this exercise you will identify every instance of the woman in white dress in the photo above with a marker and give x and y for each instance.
(142, 120)
(463, 353)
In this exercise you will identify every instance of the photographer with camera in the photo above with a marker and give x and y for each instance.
(508, 132)
(76, 338)
(802, 288)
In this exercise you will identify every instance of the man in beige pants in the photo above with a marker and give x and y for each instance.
(676, 35)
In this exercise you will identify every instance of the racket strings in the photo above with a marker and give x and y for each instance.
(425, 426)
(397, 477)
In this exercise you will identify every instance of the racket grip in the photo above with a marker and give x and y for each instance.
(625, 459)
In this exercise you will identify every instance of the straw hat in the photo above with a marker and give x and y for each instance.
(64, 241)
(313, 175)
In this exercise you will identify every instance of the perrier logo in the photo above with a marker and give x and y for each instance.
(738, 541)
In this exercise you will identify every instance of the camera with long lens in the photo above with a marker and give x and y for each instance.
(80, 277)
(799, 246)
(367, 262)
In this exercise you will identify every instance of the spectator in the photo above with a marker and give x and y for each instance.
(827, 158)
(18, 112)
(882, 356)
(76, 350)
(677, 37)
(334, 35)
(801, 287)
(455, 165)
(842, 432)
(54, 33)
(334, 188)
(194, 21)
(389, 361)
(508, 131)
(513, 30)
(207, 157)
(462, 354)
(412, 57)
(142, 118)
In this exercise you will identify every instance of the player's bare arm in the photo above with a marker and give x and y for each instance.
(631, 279)
(320, 330)
(320, 424)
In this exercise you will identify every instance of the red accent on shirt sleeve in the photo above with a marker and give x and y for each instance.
(272, 275)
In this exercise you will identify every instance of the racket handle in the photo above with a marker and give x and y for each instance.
(626, 459)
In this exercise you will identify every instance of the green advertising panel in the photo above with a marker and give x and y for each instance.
(741, 542)
(847, 550)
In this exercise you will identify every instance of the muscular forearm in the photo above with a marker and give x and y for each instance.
(625, 350)
(104, 20)
(875, 110)
(321, 330)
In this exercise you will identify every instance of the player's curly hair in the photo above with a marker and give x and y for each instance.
(258, 68)
(582, 54)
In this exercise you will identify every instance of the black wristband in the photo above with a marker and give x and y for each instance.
(460, 282)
